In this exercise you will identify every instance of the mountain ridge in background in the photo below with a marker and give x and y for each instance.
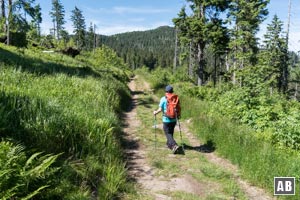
(151, 48)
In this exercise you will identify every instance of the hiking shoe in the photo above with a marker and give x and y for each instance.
(175, 149)
(178, 150)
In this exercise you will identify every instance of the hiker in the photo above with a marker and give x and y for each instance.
(168, 123)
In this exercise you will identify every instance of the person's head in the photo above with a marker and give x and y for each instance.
(169, 89)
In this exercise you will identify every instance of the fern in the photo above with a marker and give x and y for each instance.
(39, 170)
(4, 172)
(34, 193)
(17, 172)
(11, 192)
(31, 159)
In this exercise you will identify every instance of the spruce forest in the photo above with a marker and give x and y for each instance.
(63, 96)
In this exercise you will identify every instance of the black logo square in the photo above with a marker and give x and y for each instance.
(284, 185)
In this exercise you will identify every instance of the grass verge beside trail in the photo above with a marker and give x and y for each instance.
(259, 161)
(64, 110)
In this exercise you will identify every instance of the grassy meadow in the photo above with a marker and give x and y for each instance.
(59, 126)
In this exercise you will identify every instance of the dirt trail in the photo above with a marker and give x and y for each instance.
(158, 187)
(137, 164)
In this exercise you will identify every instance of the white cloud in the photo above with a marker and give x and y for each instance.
(114, 29)
(137, 10)
(95, 10)
(127, 10)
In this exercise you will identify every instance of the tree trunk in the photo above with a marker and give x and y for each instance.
(54, 29)
(3, 16)
(285, 77)
(175, 52)
(234, 72)
(58, 32)
(215, 70)
(2, 9)
(190, 61)
(200, 49)
(9, 21)
(271, 91)
(296, 91)
(39, 30)
(200, 58)
(235, 57)
(95, 39)
(227, 63)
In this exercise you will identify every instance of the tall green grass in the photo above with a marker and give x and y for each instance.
(259, 160)
(62, 108)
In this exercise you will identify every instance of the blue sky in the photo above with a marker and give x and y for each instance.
(117, 16)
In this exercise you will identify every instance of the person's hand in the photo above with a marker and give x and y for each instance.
(155, 112)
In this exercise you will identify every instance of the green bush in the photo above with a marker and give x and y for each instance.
(105, 61)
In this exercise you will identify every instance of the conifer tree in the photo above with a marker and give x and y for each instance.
(9, 21)
(276, 53)
(34, 34)
(58, 14)
(201, 28)
(246, 17)
(79, 27)
(90, 37)
(14, 22)
(295, 80)
(37, 20)
(3, 17)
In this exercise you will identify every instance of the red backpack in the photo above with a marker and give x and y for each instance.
(173, 106)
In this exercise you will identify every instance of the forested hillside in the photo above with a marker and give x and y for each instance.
(153, 48)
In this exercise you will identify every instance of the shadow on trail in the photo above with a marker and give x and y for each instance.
(136, 92)
(132, 105)
(146, 102)
(205, 148)
(130, 142)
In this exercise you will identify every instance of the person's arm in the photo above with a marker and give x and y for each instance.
(155, 112)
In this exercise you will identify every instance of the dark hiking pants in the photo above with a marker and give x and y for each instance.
(169, 132)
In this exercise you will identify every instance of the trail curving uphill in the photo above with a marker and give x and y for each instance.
(158, 174)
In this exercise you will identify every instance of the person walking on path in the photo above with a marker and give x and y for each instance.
(168, 123)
